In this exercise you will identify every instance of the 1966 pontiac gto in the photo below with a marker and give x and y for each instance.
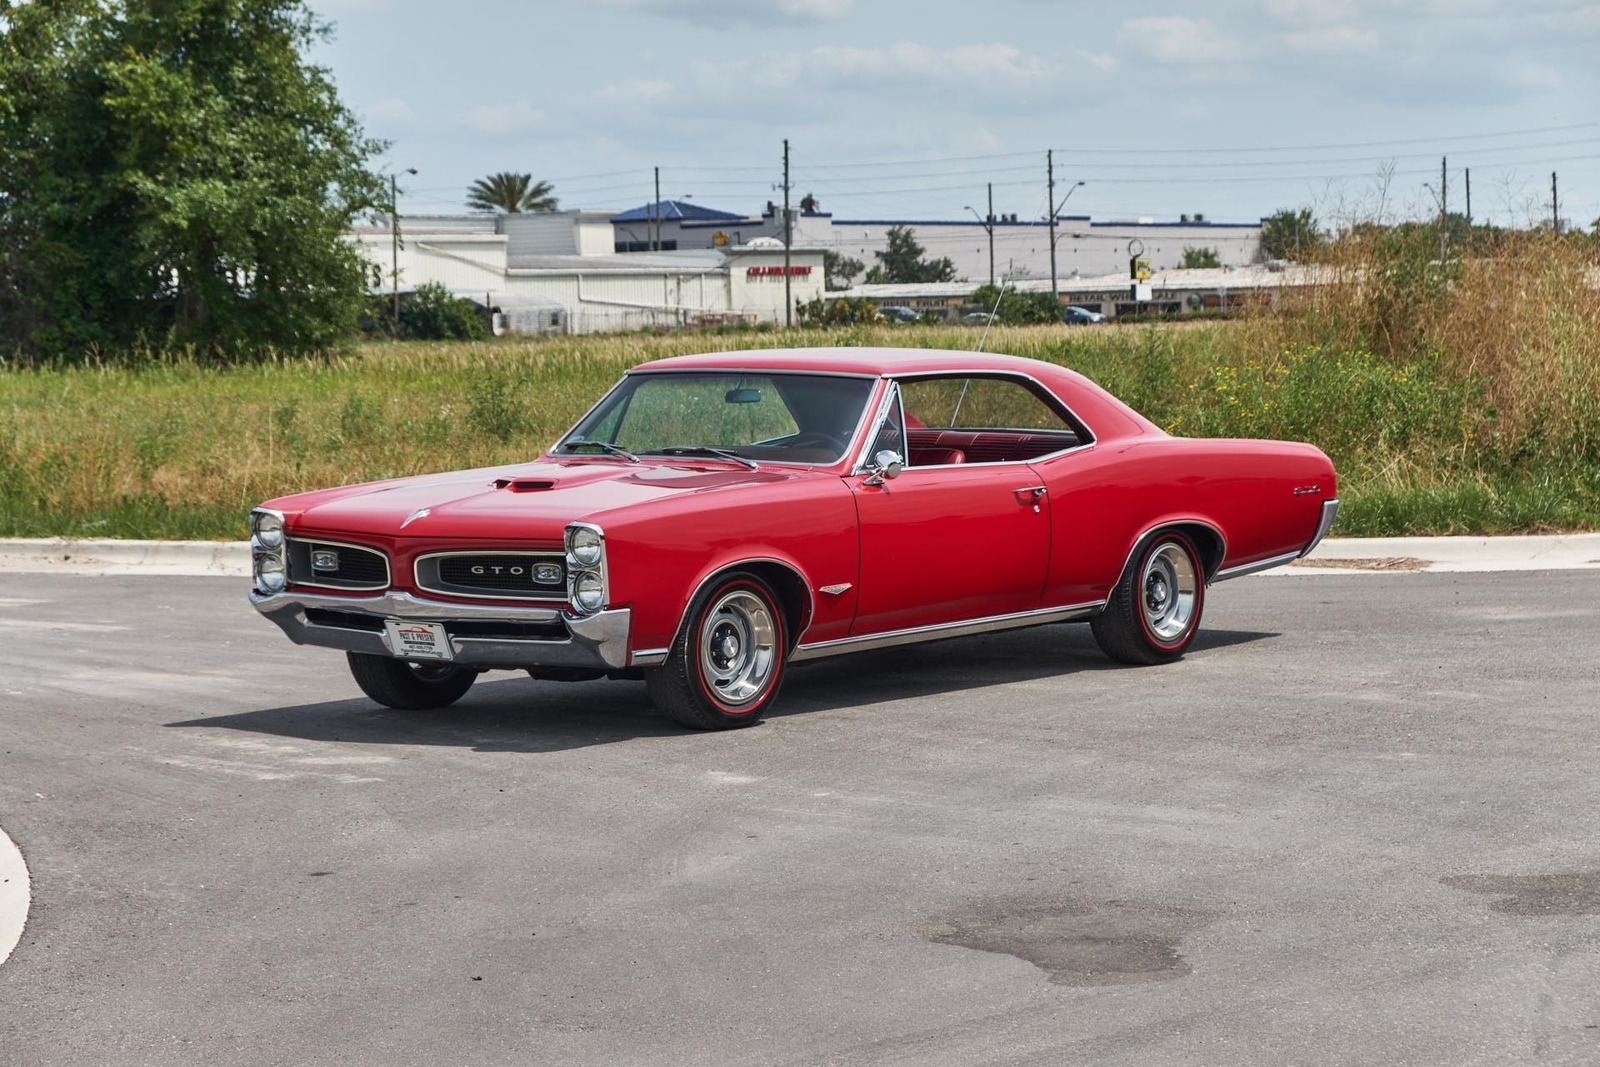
(715, 518)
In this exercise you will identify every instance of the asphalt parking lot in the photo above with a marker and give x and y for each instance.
(1357, 825)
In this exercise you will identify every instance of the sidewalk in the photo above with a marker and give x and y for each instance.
(1336, 555)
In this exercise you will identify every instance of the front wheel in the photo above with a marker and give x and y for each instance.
(725, 667)
(1155, 608)
(395, 683)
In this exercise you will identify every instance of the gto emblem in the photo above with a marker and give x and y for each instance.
(547, 574)
(325, 559)
(490, 569)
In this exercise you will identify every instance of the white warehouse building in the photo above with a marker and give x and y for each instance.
(558, 272)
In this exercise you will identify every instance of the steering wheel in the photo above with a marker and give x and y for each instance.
(814, 438)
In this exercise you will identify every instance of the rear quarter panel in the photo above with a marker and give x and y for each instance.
(658, 554)
(1105, 498)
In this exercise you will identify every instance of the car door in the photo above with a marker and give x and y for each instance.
(946, 543)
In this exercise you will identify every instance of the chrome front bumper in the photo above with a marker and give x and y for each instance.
(356, 624)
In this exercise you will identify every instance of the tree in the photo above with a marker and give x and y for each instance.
(839, 270)
(901, 263)
(1196, 258)
(175, 175)
(1289, 234)
(511, 194)
(1017, 308)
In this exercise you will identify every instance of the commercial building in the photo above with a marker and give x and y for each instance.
(1021, 247)
(559, 272)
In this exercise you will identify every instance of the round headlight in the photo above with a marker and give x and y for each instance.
(269, 529)
(269, 574)
(586, 546)
(588, 592)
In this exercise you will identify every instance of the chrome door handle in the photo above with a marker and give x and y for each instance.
(1030, 495)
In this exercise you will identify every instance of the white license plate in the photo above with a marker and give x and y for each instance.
(418, 640)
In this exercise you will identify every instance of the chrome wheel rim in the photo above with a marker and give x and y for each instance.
(738, 648)
(1168, 592)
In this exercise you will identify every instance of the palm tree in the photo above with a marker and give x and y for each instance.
(511, 193)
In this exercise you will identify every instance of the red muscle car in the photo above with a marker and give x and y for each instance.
(715, 518)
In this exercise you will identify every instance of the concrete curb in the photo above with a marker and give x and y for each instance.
(1336, 555)
(15, 895)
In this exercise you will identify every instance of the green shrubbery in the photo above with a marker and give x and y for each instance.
(431, 313)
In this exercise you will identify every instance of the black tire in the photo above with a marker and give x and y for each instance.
(707, 683)
(1154, 611)
(395, 683)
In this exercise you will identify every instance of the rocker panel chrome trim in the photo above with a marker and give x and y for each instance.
(1256, 567)
(944, 630)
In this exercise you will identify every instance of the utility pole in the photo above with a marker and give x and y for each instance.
(655, 244)
(788, 239)
(1555, 206)
(990, 228)
(1050, 202)
(1469, 201)
(394, 241)
(1444, 202)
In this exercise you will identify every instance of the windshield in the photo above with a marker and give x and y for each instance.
(782, 418)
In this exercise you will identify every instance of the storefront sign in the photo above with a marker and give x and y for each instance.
(777, 272)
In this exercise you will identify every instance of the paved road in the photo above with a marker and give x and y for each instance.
(1359, 824)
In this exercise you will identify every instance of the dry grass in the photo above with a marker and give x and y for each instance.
(1462, 399)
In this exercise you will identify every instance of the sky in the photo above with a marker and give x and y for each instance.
(907, 110)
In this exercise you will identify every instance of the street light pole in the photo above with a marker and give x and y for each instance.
(988, 225)
(1055, 210)
(394, 241)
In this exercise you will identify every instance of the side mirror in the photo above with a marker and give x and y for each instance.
(886, 464)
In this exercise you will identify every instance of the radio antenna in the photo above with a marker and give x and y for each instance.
(993, 312)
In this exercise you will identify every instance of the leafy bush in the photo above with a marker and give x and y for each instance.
(429, 314)
(837, 311)
(1017, 308)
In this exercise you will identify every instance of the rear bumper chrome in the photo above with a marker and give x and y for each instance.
(529, 637)
(1330, 509)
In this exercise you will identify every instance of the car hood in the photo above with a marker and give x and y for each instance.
(530, 501)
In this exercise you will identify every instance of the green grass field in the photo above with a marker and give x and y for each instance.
(176, 450)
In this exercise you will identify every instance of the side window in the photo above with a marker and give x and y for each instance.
(978, 404)
(892, 434)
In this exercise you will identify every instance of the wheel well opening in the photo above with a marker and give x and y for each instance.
(792, 594)
(1207, 542)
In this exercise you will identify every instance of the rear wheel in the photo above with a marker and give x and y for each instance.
(411, 686)
(1154, 611)
(724, 669)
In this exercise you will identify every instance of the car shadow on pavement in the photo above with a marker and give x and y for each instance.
(512, 714)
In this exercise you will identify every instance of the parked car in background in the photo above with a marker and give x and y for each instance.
(715, 518)
(1073, 315)
(894, 313)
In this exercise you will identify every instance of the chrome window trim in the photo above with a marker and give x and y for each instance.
(859, 447)
(388, 569)
(944, 630)
(1014, 374)
(896, 379)
(1256, 567)
(556, 593)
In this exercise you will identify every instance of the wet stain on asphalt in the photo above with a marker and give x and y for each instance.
(1078, 942)
(1571, 893)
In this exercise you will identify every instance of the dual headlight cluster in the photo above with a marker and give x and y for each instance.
(267, 550)
(586, 568)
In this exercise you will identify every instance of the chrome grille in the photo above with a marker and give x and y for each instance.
(336, 565)
(498, 575)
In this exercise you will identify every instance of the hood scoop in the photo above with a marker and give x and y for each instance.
(524, 485)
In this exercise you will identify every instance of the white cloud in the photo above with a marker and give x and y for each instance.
(633, 92)
(744, 13)
(1175, 39)
(504, 118)
(1333, 40)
